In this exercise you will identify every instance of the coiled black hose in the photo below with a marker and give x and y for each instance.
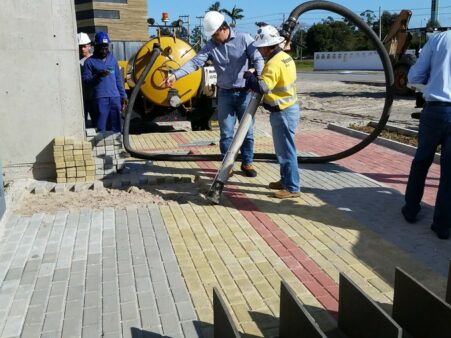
(288, 28)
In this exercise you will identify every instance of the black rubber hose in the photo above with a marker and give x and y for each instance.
(288, 28)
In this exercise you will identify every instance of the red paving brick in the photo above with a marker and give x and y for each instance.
(379, 163)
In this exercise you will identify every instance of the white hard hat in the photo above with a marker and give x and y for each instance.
(212, 21)
(83, 39)
(267, 36)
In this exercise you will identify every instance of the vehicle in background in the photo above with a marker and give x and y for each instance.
(396, 43)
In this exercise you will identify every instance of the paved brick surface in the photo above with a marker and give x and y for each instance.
(140, 272)
(92, 273)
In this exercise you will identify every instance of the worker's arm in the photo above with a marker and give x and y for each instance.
(90, 74)
(87, 75)
(189, 67)
(264, 83)
(254, 55)
(420, 71)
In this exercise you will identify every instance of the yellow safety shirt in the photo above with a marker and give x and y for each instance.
(278, 82)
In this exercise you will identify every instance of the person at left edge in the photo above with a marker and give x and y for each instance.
(102, 72)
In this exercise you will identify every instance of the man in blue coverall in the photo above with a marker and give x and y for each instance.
(232, 53)
(101, 71)
(433, 69)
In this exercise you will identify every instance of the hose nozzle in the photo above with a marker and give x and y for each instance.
(214, 194)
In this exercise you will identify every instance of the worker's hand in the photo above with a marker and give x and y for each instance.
(124, 102)
(249, 73)
(104, 73)
(169, 81)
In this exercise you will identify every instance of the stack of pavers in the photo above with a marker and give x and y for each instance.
(108, 152)
(73, 160)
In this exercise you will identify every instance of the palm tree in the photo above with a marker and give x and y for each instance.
(235, 14)
(215, 7)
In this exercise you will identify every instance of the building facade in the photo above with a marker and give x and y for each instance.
(123, 20)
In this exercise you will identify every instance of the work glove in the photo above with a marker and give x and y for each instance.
(252, 81)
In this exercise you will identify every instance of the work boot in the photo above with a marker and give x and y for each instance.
(282, 194)
(276, 185)
(442, 233)
(249, 170)
(409, 218)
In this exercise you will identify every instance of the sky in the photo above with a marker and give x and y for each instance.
(273, 11)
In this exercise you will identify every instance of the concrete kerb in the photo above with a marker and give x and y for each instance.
(389, 127)
(402, 148)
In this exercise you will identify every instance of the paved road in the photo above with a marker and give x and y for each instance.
(343, 75)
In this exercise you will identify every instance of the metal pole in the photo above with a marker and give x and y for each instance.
(301, 43)
(201, 29)
(380, 24)
(187, 22)
(223, 174)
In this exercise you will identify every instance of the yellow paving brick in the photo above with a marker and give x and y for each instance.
(274, 280)
(59, 141)
(206, 275)
(273, 305)
(244, 285)
(234, 296)
(241, 312)
(226, 281)
(254, 300)
(205, 314)
(265, 290)
(361, 269)
(251, 329)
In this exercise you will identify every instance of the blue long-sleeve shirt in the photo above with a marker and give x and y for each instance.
(111, 85)
(433, 68)
(230, 60)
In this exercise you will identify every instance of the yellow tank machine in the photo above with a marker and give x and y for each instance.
(191, 98)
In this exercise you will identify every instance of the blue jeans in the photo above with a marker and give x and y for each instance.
(435, 129)
(232, 105)
(283, 126)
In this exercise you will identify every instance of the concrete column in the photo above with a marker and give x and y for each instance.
(40, 91)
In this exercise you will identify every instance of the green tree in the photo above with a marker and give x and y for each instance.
(369, 17)
(215, 7)
(298, 43)
(196, 38)
(387, 20)
(329, 36)
(234, 14)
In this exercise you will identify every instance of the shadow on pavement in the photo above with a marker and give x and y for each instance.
(361, 205)
(202, 329)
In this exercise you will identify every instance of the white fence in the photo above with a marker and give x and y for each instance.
(353, 60)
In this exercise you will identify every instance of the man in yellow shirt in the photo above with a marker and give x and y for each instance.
(278, 84)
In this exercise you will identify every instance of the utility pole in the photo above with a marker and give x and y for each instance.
(380, 24)
(187, 22)
(201, 29)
